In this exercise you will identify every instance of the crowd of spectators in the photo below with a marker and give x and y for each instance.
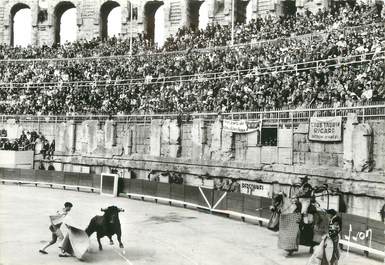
(22, 143)
(172, 177)
(226, 184)
(349, 69)
(276, 27)
(26, 141)
(263, 28)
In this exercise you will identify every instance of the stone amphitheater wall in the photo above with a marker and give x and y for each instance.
(200, 149)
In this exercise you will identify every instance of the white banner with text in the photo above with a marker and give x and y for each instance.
(325, 129)
(255, 188)
(241, 126)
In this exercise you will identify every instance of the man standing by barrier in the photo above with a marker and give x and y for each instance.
(328, 253)
(304, 197)
(56, 221)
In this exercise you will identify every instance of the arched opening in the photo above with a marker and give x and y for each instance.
(151, 15)
(65, 22)
(21, 25)
(289, 8)
(249, 12)
(110, 19)
(240, 10)
(195, 13)
(159, 29)
(204, 15)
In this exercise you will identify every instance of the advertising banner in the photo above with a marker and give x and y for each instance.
(255, 188)
(325, 129)
(241, 126)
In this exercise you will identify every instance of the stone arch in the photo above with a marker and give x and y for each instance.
(58, 12)
(193, 7)
(15, 8)
(105, 10)
(150, 9)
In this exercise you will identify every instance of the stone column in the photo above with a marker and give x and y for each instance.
(227, 145)
(72, 136)
(216, 139)
(110, 134)
(60, 133)
(155, 137)
(363, 147)
(175, 143)
(127, 142)
(199, 138)
(351, 123)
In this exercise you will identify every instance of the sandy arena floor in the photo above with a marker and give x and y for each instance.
(152, 233)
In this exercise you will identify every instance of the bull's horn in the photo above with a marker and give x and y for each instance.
(103, 209)
(121, 210)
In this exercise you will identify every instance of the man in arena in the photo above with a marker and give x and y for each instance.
(328, 253)
(56, 222)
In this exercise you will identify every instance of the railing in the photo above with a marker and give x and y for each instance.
(371, 111)
(282, 68)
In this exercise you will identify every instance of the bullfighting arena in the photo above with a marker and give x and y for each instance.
(151, 233)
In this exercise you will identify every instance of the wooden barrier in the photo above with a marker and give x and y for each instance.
(26, 175)
(250, 204)
(57, 177)
(150, 189)
(253, 208)
(235, 202)
(228, 203)
(163, 190)
(43, 176)
(136, 186)
(192, 195)
(176, 192)
(363, 233)
(50, 178)
(71, 179)
(220, 200)
(85, 180)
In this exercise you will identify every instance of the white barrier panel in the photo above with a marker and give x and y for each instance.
(16, 159)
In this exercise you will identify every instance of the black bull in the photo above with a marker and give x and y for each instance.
(106, 225)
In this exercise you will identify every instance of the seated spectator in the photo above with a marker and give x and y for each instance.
(51, 167)
(41, 166)
(300, 61)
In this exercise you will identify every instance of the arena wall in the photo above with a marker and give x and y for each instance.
(200, 149)
(178, 13)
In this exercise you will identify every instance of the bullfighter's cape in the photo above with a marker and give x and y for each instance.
(76, 242)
